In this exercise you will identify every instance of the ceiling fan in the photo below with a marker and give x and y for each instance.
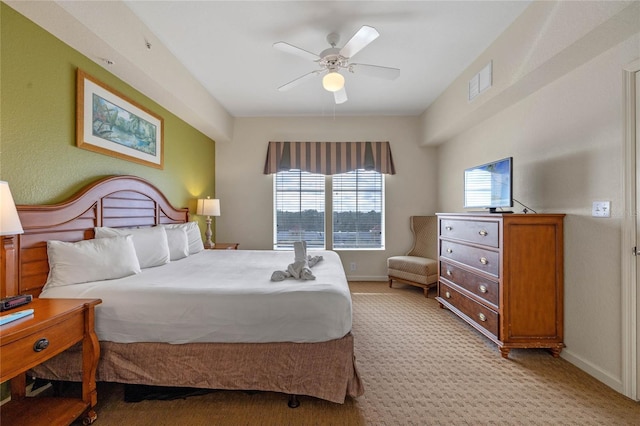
(333, 60)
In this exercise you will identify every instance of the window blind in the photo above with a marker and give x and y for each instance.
(299, 209)
(358, 210)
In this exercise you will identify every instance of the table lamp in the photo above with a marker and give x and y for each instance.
(9, 220)
(208, 207)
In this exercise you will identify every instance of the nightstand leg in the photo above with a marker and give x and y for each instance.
(19, 386)
(90, 358)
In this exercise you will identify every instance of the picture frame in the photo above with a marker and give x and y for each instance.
(111, 123)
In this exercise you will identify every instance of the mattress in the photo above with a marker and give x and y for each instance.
(221, 296)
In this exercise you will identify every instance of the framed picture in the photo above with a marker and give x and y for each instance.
(110, 123)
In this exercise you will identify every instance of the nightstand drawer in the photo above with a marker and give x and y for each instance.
(22, 353)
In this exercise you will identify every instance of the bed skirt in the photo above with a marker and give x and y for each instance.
(325, 370)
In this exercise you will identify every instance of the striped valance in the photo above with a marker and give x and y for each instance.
(329, 158)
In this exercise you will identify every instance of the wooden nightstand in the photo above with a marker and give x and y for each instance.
(56, 325)
(225, 246)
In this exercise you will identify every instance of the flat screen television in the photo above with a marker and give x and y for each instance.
(489, 186)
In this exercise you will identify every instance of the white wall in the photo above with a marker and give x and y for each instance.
(246, 198)
(548, 40)
(566, 137)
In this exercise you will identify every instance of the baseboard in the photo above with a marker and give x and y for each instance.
(614, 383)
(367, 278)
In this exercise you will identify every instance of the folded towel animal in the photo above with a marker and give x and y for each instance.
(280, 275)
(300, 268)
(313, 260)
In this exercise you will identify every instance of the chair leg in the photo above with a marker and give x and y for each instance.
(426, 292)
(390, 282)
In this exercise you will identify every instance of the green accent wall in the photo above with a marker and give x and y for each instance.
(38, 153)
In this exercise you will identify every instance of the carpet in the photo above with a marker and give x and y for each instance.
(421, 365)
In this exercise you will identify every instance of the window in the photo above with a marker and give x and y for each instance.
(357, 209)
(299, 209)
(358, 213)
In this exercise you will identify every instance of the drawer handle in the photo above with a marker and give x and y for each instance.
(448, 228)
(483, 289)
(449, 250)
(41, 345)
(483, 233)
(447, 295)
(484, 260)
(482, 317)
(449, 273)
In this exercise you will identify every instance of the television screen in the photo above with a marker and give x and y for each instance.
(489, 185)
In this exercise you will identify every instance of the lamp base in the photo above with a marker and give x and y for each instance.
(208, 244)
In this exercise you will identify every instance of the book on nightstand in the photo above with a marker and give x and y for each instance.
(15, 316)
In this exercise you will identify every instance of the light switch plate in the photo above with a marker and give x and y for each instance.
(601, 209)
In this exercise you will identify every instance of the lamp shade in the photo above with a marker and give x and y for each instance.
(9, 220)
(208, 207)
(333, 81)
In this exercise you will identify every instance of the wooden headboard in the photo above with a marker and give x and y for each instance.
(115, 201)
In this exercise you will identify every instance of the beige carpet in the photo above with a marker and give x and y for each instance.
(420, 365)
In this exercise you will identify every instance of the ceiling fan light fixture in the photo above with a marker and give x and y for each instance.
(333, 81)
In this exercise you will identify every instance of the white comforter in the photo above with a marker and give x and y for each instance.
(221, 296)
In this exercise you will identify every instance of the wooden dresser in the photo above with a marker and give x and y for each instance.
(503, 274)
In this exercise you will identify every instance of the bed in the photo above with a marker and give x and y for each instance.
(294, 337)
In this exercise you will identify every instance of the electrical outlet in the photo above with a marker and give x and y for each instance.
(353, 266)
(601, 209)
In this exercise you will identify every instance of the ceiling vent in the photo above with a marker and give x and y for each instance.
(481, 81)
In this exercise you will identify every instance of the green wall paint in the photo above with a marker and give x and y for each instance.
(38, 153)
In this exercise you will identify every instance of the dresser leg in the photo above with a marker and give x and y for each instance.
(555, 351)
(505, 352)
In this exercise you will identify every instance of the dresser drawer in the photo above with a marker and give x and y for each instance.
(478, 313)
(478, 232)
(59, 336)
(478, 258)
(485, 289)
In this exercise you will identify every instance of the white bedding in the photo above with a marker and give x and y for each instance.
(221, 296)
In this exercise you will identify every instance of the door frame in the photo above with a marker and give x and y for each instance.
(630, 224)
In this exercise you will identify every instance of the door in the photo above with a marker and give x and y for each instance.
(630, 300)
(636, 126)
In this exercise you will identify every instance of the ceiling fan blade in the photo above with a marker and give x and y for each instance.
(289, 48)
(297, 81)
(340, 96)
(376, 71)
(359, 41)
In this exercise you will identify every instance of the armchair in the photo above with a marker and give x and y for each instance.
(419, 267)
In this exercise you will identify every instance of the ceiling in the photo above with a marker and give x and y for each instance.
(226, 48)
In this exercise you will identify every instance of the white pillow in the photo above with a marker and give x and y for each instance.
(91, 260)
(193, 235)
(151, 244)
(178, 243)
